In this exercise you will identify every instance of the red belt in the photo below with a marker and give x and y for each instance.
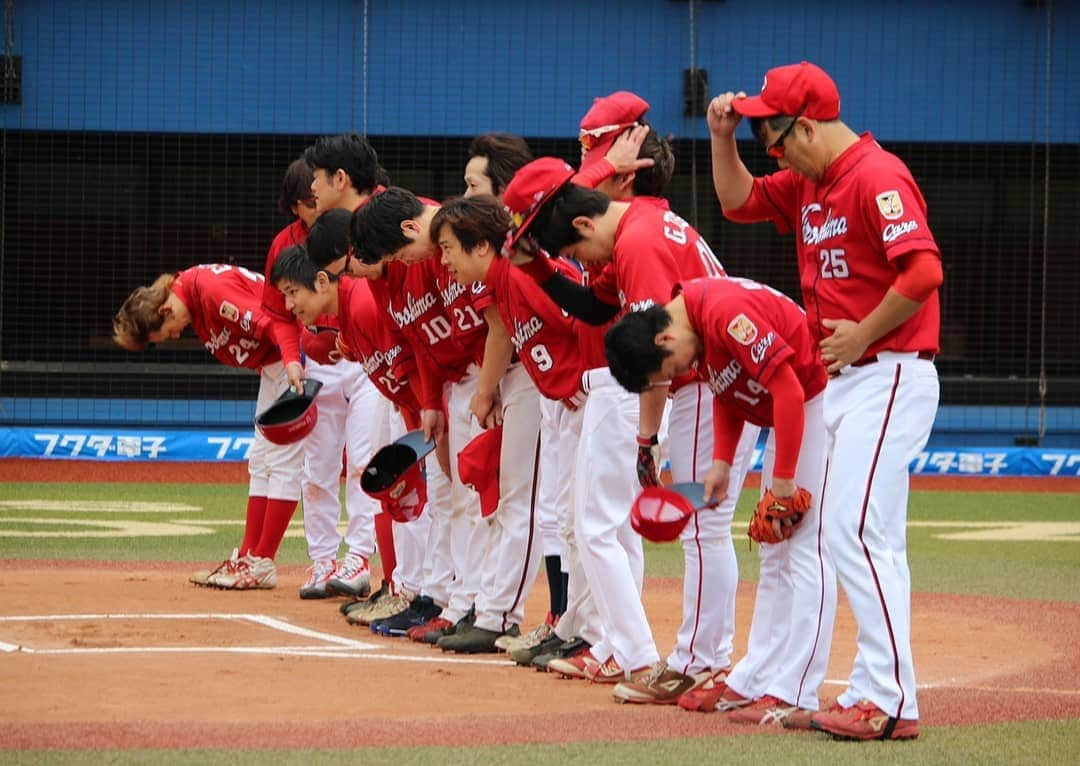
(927, 355)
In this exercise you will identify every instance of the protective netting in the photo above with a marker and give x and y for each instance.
(144, 138)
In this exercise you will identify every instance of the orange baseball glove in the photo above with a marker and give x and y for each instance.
(776, 518)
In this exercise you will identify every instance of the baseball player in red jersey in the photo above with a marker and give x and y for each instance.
(344, 172)
(621, 154)
(221, 304)
(650, 249)
(512, 556)
(624, 158)
(447, 335)
(705, 635)
(550, 349)
(870, 272)
(296, 202)
(751, 343)
(493, 160)
(419, 580)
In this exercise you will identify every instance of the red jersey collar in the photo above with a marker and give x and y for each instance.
(848, 158)
(182, 288)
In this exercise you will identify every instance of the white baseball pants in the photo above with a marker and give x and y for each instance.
(468, 537)
(787, 652)
(274, 470)
(878, 419)
(347, 403)
(513, 553)
(604, 489)
(711, 571)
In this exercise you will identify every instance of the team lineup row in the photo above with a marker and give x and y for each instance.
(564, 328)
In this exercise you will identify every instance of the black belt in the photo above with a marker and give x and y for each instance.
(927, 355)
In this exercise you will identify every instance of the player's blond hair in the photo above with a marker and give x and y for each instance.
(139, 316)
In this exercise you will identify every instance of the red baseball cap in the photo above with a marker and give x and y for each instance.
(292, 416)
(660, 514)
(791, 89)
(605, 121)
(395, 476)
(478, 466)
(530, 189)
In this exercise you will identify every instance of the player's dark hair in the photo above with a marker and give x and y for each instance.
(652, 182)
(777, 122)
(353, 154)
(473, 220)
(505, 154)
(328, 239)
(553, 226)
(295, 188)
(375, 229)
(631, 349)
(294, 265)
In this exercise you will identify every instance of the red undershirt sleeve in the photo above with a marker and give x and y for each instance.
(286, 334)
(595, 174)
(789, 402)
(727, 428)
(431, 386)
(920, 274)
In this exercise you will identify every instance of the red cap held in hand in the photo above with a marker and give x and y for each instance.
(292, 416)
(395, 476)
(478, 466)
(659, 514)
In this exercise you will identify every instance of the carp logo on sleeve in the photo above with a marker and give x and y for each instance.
(890, 205)
(742, 330)
(229, 311)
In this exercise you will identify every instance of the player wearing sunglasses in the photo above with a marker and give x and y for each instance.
(870, 272)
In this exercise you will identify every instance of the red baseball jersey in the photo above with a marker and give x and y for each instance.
(379, 348)
(545, 338)
(226, 313)
(467, 327)
(411, 297)
(852, 226)
(654, 250)
(748, 330)
(286, 329)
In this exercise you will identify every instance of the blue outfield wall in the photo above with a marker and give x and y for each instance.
(164, 444)
(965, 441)
(915, 71)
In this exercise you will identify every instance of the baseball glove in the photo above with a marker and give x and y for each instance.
(776, 518)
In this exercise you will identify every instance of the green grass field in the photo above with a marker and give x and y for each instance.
(1036, 568)
(1028, 566)
(1032, 743)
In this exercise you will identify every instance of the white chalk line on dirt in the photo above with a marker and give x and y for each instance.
(259, 619)
(341, 648)
(176, 649)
